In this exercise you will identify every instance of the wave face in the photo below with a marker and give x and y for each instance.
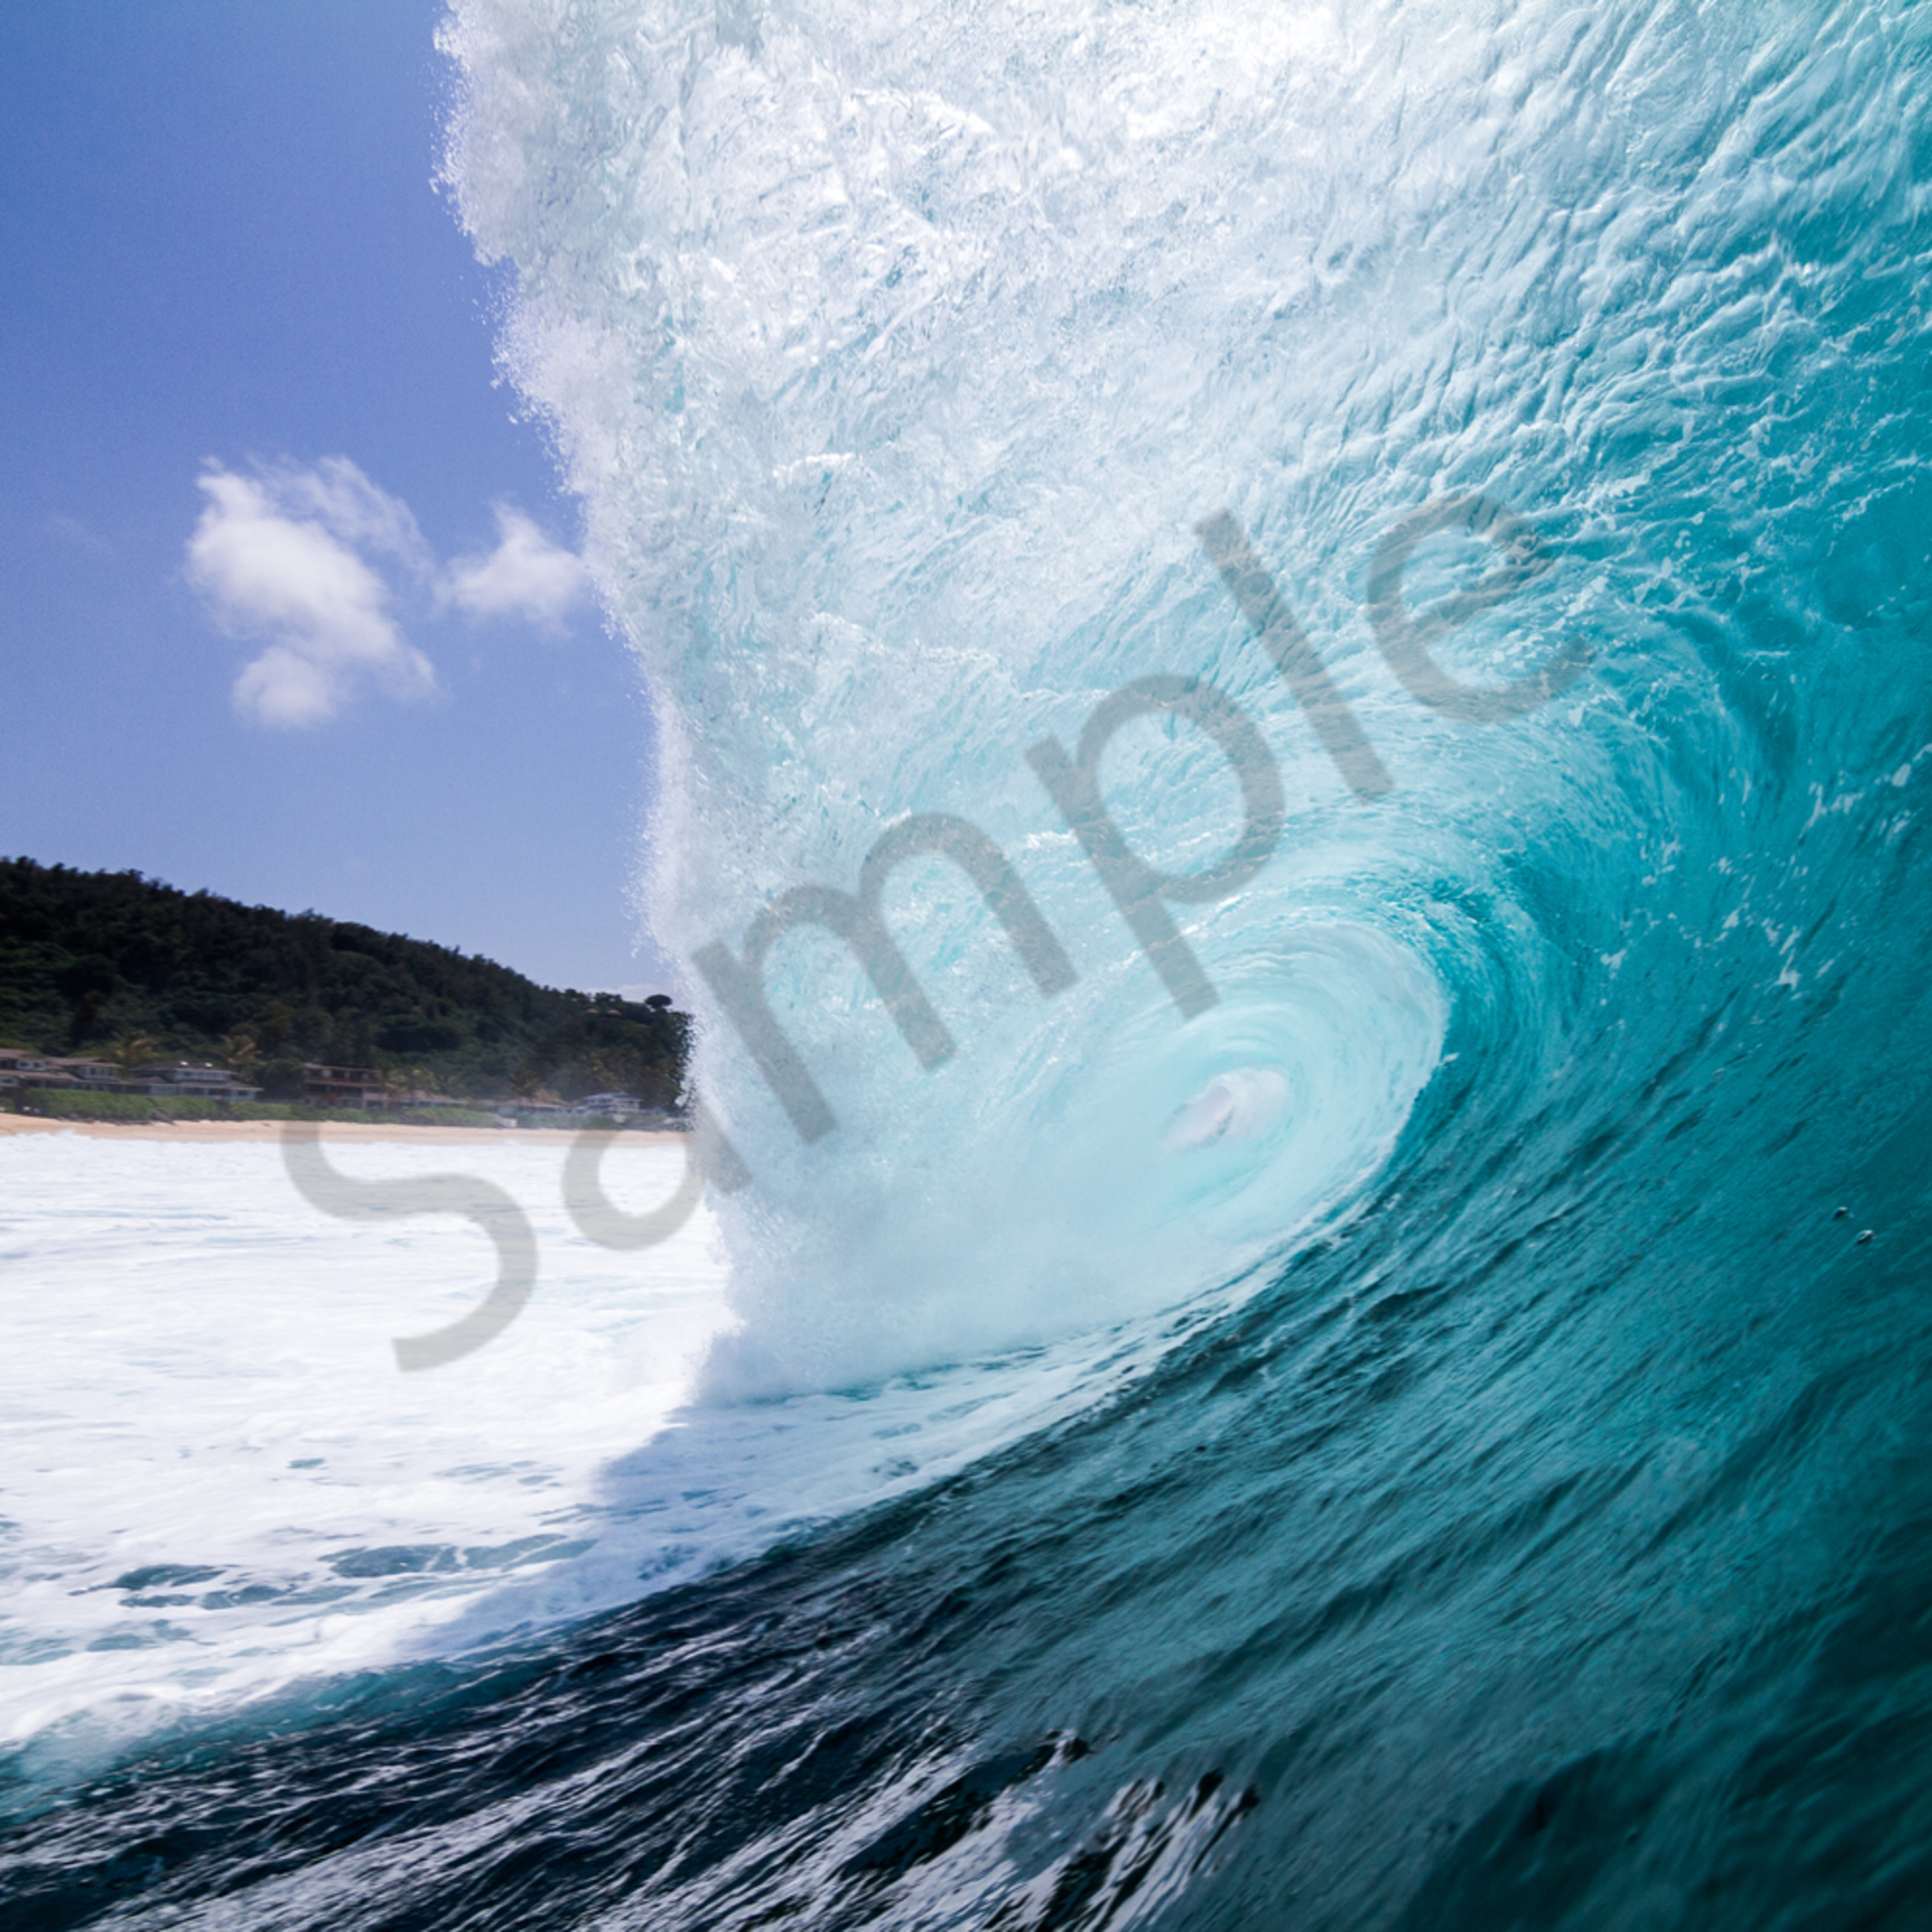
(1515, 1509)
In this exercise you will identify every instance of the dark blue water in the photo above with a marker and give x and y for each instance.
(1543, 1537)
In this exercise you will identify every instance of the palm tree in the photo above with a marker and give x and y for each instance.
(240, 1054)
(130, 1050)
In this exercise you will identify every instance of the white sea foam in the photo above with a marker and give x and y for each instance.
(202, 1398)
(218, 1486)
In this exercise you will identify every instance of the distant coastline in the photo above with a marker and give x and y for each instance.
(241, 1132)
(119, 986)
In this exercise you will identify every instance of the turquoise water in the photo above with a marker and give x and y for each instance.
(1513, 1507)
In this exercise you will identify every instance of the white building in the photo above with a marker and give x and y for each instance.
(616, 1104)
(180, 1080)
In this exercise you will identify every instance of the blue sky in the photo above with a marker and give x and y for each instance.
(290, 608)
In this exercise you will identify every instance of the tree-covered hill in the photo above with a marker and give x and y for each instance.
(87, 959)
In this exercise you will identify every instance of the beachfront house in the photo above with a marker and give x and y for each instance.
(186, 1080)
(344, 1087)
(630, 1111)
(57, 1072)
(19, 1069)
(99, 1075)
(616, 1105)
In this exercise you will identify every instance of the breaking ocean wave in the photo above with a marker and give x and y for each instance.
(1325, 1323)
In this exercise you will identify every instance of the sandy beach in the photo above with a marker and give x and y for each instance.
(233, 1133)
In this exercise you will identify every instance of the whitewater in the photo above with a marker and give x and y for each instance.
(1287, 645)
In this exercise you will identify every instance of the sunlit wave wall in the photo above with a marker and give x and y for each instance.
(897, 355)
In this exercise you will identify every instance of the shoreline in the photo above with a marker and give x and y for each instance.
(234, 1132)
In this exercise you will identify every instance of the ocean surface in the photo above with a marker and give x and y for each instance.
(1289, 650)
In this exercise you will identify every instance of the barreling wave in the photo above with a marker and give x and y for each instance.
(897, 361)
(1518, 1515)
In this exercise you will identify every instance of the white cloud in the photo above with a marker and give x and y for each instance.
(277, 557)
(310, 561)
(336, 494)
(527, 575)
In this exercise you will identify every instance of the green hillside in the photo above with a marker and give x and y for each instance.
(90, 959)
